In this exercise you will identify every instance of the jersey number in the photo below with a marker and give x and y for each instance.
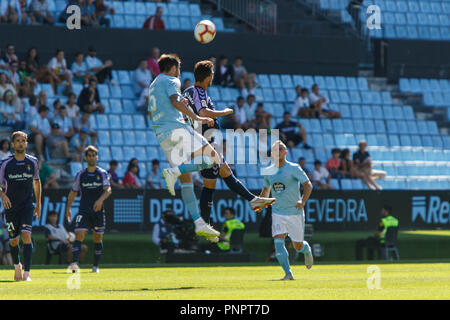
(78, 219)
(10, 227)
(151, 103)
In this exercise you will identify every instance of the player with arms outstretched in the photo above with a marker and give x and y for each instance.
(202, 105)
(179, 142)
(283, 179)
(21, 173)
(94, 186)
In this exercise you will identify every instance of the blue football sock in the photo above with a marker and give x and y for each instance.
(282, 255)
(15, 253)
(98, 251)
(236, 186)
(76, 250)
(196, 165)
(190, 200)
(206, 203)
(27, 253)
(306, 249)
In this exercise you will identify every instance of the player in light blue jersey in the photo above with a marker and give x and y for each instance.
(283, 179)
(179, 142)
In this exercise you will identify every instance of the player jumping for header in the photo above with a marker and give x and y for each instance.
(283, 178)
(93, 183)
(202, 105)
(179, 142)
(21, 173)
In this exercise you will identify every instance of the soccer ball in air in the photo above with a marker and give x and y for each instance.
(205, 31)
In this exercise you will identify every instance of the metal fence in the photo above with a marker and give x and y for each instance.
(258, 14)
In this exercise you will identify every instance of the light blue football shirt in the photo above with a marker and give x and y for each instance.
(165, 117)
(285, 183)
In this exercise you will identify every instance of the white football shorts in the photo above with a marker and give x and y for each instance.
(293, 225)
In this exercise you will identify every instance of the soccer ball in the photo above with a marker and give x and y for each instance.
(205, 31)
(71, 237)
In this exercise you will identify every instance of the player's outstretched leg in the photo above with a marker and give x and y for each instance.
(257, 203)
(98, 251)
(282, 256)
(201, 227)
(76, 250)
(306, 250)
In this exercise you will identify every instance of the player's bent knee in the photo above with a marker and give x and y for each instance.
(298, 245)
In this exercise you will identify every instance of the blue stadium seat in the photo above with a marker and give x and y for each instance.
(408, 113)
(386, 97)
(117, 138)
(388, 113)
(415, 141)
(412, 127)
(129, 8)
(118, 7)
(344, 97)
(102, 121)
(185, 23)
(402, 6)
(308, 82)
(356, 112)
(335, 184)
(130, 21)
(343, 108)
(139, 121)
(348, 126)
(413, 6)
(275, 81)
(279, 95)
(152, 153)
(172, 9)
(437, 142)
(368, 126)
(341, 83)
(115, 91)
(129, 137)
(326, 125)
(173, 23)
(105, 153)
(380, 126)
(392, 127)
(140, 138)
(389, 18)
(218, 22)
(427, 141)
(355, 97)
(263, 80)
(405, 141)
(424, 33)
(126, 121)
(75, 167)
(104, 138)
(402, 126)
(128, 106)
(412, 32)
(321, 154)
(432, 127)
(114, 121)
(183, 9)
(128, 152)
(352, 84)
(358, 126)
(402, 32)
(425, 6)
(194, 9)
(140, 153)
(115, 106)
(328, 140)
(268, 95)
(357, 184)
(286, 81)
(331, 83)
(414, 84)
(320, 81)
(372, 140)
(362, 84)
(346, 184)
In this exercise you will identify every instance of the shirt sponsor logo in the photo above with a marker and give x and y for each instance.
(278, 187)
(91, 184)
(20, 176)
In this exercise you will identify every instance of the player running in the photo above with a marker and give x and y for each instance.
(21, 173)
(202, 105)
(283, 178)
(179, 142)
(94, 186)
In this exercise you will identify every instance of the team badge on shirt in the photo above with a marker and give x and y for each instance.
(278, 186)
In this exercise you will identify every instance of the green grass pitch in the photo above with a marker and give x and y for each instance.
(328, 281)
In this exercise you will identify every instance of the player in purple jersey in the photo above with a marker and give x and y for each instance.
(19, 176)
(201, 104)
(94, 187)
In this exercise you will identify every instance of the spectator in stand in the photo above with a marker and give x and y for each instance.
(115, 182)
(10, 54)
(39, 12)
(46, 175)
(88, 17)
(85, 123)
(9, 117)
(32, 111)
(302, 164)
(57, 142)
(58, 240)
(40, 72)
(153, 62)
(333, 164)
(79, 142)
(242, 79)
(73, 110)
(6, 86)
(40, 130)
(186, 84)
(65, 123)
(79, 69)
(155, 178)
(155, 22)
(141, 78)
(4, 67)
(58, 70)
(96, 67)
(319, 104)
(27, 81)
(54, 109)
(262, 118)
(239, 117)
(101, 10)
(13, 75)
(5, 149)
(224, 73)
(301, 106)
(321, 177)
(347, 169)
(292, 133)
(363, 165)
(89, 99)
(250, 107)
(131, 179)
(8, 12)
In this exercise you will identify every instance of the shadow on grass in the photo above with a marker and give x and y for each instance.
(7, 281)
(158, 289)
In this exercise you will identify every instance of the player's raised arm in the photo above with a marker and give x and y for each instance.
(205, 112)
(180, 105)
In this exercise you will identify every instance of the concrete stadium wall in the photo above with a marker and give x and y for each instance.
(299, 54)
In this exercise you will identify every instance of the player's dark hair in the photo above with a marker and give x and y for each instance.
(304, 90)
(317, 162)
(113, 163)
(286, 113)
(388, 208)
(344, 153)
(90, 149)
(18, 134)
(335, 150)
(167, 61)
(301, 158)
(155, 161)
(32, 100)
(50, 213)
(202, 70)
(42, 109)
